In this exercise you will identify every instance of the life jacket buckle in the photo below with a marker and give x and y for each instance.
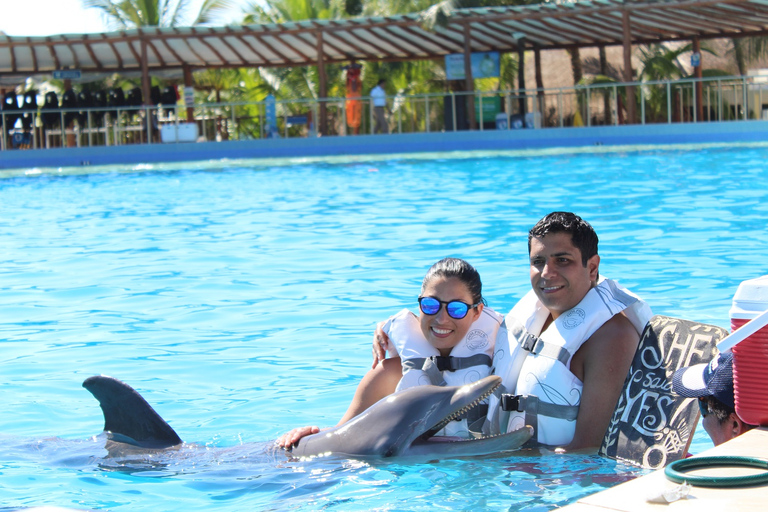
(511, 403)
(529, 343)
(443, 363)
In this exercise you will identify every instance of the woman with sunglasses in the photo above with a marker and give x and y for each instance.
(450, 343)
(452, 340)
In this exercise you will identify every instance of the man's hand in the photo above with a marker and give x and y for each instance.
(380, 345)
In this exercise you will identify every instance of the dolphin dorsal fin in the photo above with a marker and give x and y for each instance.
(127, 413)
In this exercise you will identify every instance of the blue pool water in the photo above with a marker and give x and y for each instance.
(240, 299)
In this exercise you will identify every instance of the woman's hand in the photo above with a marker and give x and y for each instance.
(380, 345)
(292, 437)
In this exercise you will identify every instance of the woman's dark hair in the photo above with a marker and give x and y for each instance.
(460, 269)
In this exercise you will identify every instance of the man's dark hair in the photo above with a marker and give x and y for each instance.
(721, 411)
(583, 236)
(718, 408)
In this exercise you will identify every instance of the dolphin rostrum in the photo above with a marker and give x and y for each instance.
(401, 424)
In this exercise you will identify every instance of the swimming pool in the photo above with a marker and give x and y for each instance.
(239, 297)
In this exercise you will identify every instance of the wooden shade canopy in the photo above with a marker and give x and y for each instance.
(394, 38)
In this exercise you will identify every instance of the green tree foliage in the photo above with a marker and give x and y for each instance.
(659, 63)
(126, 14)
(748, 50)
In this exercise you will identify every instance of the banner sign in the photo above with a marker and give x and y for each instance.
(484, 65)
(67, 74)
(189, 96)
(270, 112)
(491, 107)
(651, 425)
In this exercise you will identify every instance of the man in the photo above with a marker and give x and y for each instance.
(570, 341)
(379, 99)
(712, 384)
(602, 323)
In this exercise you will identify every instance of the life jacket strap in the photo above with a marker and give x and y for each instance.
(529, 403)
(447, 363)
(538, 346)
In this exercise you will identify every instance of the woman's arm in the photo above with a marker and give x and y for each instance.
(378, 383)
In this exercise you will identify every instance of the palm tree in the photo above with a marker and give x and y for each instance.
(440, 13)
(128, 14)
(122, 14)
(747, 50)
(295, 82)
(659, 63)
(281, 11)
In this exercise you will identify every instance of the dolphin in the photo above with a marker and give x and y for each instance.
(400, 425)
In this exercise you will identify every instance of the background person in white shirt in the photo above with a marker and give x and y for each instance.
(379, 98)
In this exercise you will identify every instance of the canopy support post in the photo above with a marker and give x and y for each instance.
(628, 75)
(522, 99)
(697, 73)
(539, 79)
(469, 81)
(322, 85)
(146, 83)
(188, 82)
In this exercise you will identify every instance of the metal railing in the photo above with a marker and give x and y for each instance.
(722, 99)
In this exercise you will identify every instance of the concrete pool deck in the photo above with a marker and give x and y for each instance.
(632, 496)
(725, 133)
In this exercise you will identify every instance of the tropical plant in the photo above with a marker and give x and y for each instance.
(659, 63)
(282, 11)
(747, 50)
(403, 78)
(128, 14)
(440, 13)
(122, 14)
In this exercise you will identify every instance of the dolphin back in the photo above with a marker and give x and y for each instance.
(402, 424)
(127, 414)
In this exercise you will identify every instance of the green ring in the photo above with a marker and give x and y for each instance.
(676, 471)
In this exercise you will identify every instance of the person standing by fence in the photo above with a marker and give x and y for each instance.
(379, 99)
(353, 106)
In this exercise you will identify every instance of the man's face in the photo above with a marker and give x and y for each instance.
(558, 277)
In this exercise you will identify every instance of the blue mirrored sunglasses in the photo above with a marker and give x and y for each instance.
(456, 309)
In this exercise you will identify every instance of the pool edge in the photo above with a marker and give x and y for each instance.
(489, 140)
(631, 496)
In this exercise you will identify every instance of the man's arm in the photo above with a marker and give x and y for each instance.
(602, 364)
(380, 344)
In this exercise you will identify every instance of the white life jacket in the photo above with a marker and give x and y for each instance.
(470, 359)
(538, 386)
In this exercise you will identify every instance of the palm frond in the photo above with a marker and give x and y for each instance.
(212, 11)
(437, 15)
